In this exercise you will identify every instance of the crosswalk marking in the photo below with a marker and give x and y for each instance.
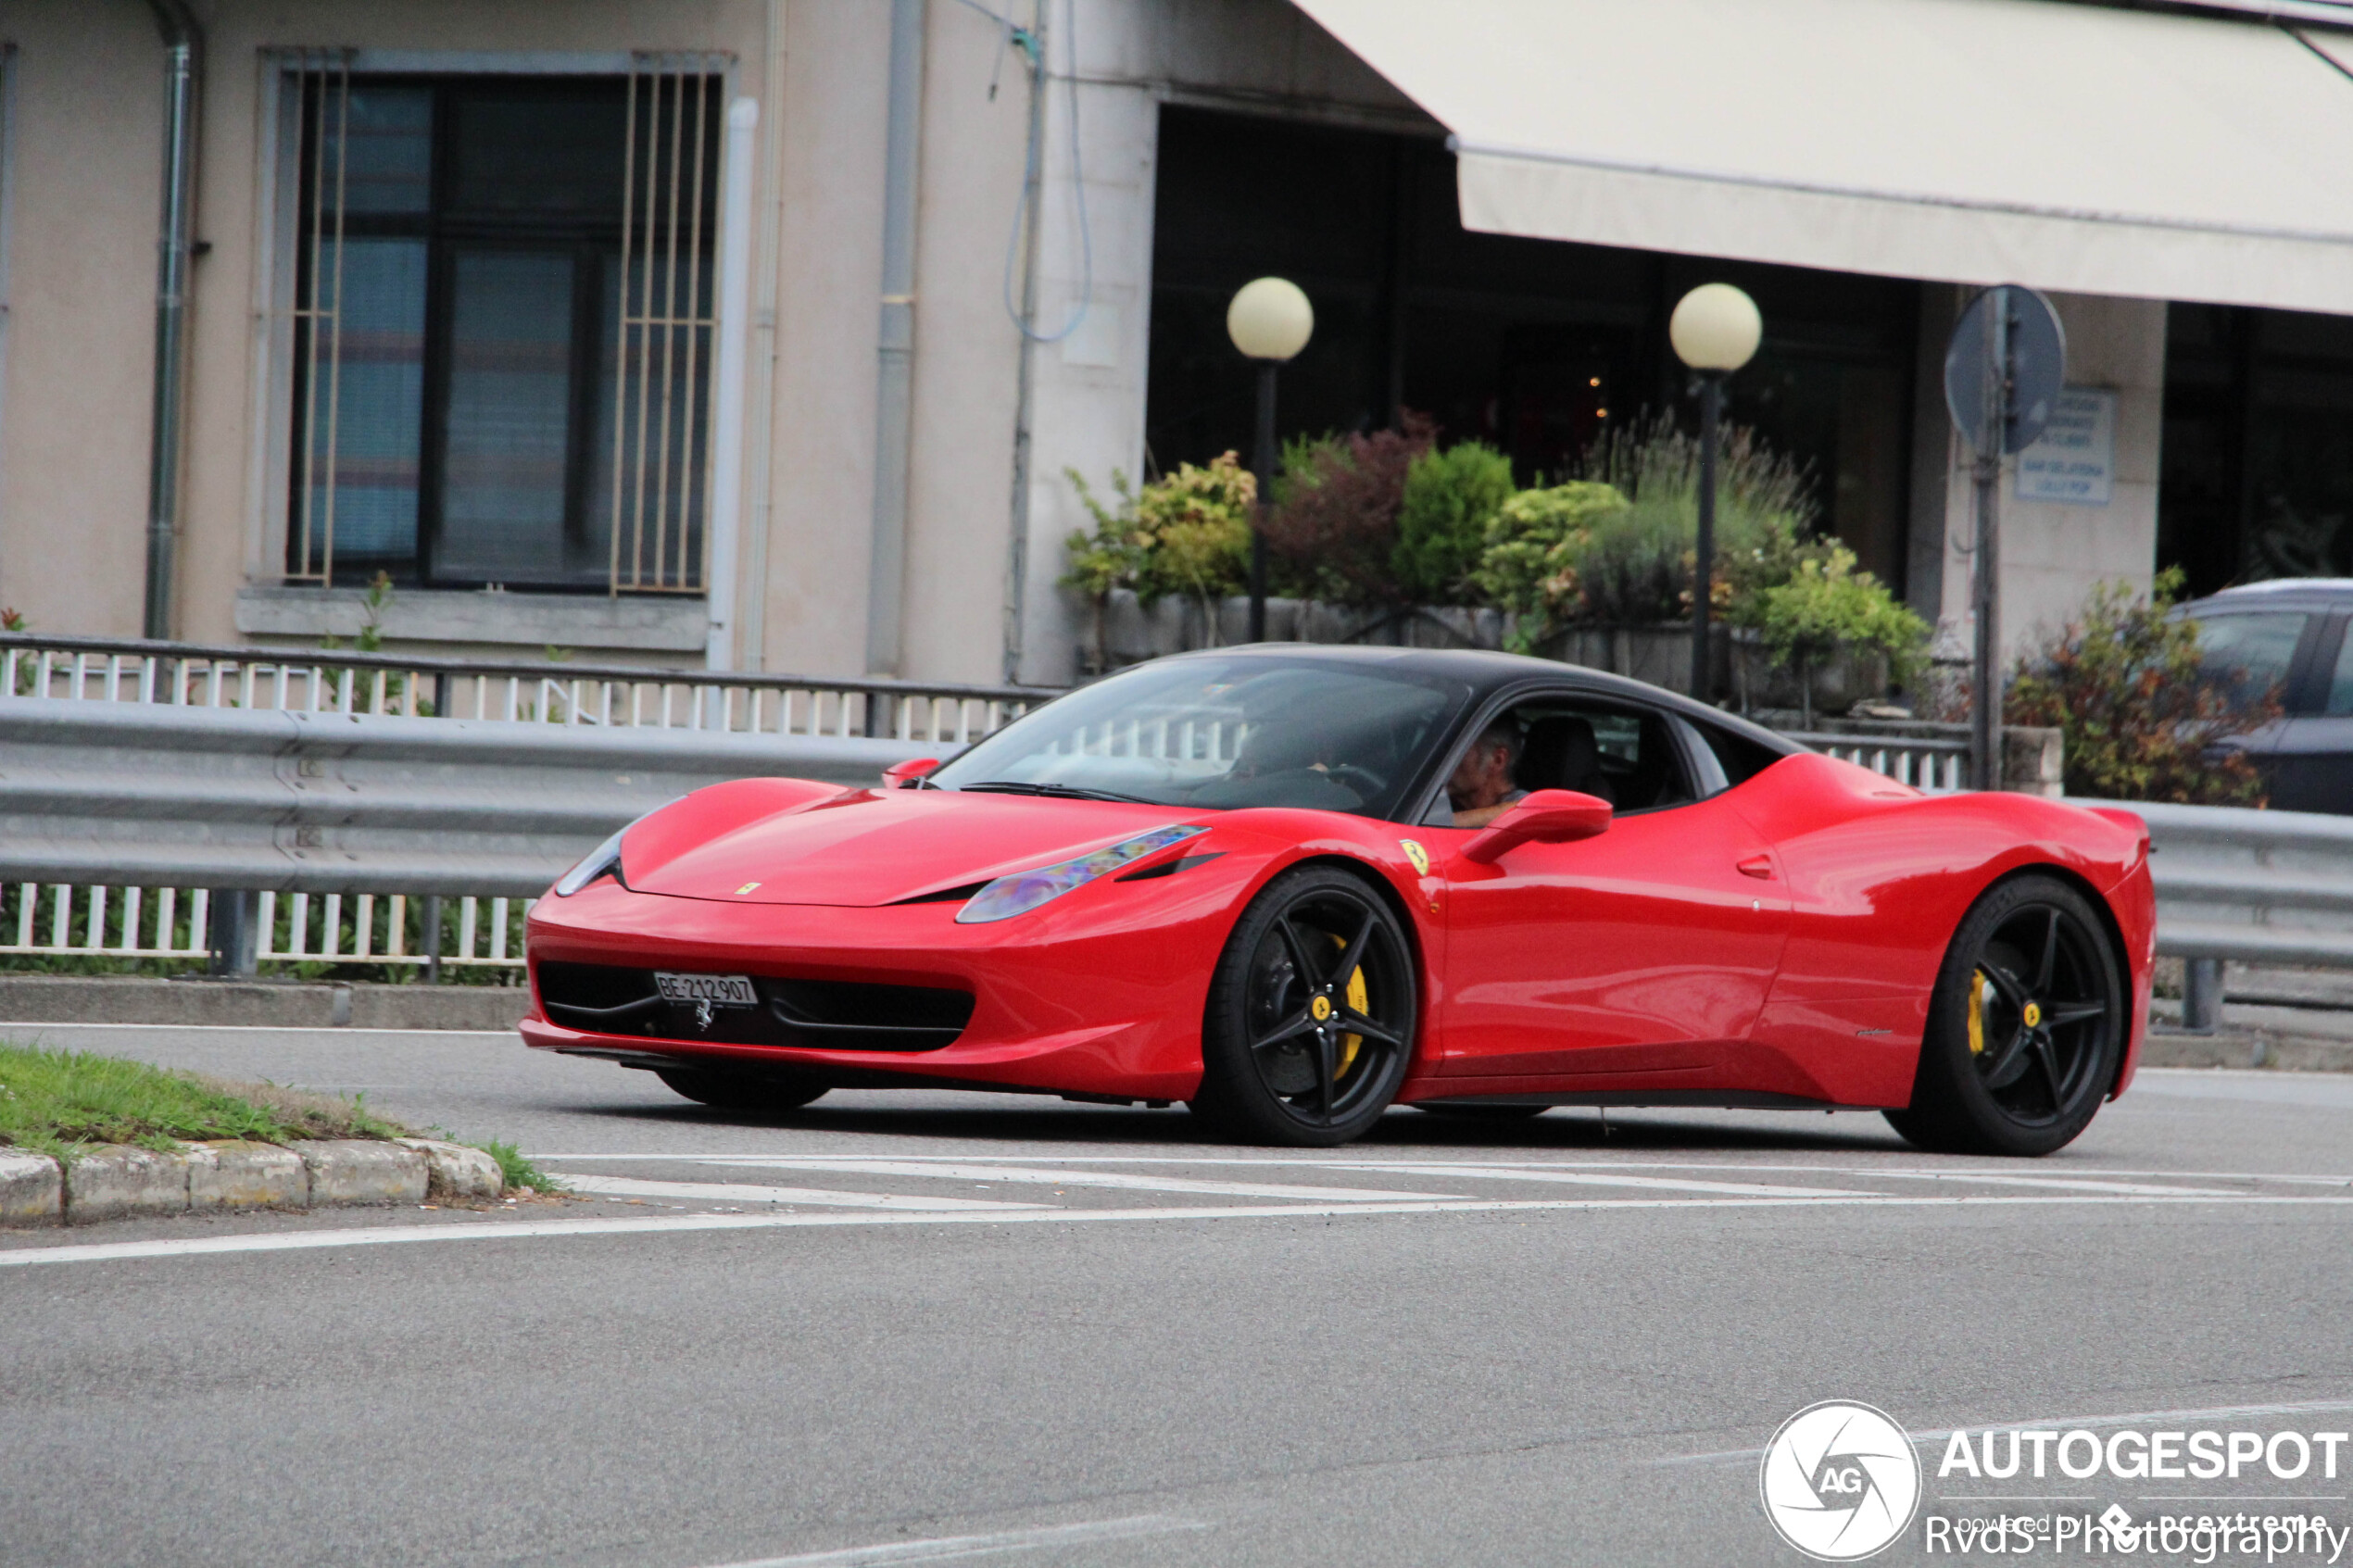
(2065, 1184)
(499, 1229)
(1024, 1175)
(744, 1192)
(1601, 1178)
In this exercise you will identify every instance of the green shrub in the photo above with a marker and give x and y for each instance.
(2123, 682)
(1187, 532)
(1534, 543)
(1450, 497)
(1333, 526)
(1827, 605)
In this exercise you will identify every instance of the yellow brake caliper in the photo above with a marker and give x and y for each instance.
(1977, 1013)
(1359, 1001)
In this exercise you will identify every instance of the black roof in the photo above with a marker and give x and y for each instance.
(2278, 593)
(1488, 674)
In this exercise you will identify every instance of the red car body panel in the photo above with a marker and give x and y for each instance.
(1778, 940)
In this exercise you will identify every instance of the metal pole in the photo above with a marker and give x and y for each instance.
(172, 306)
(231, 919)
(1033, 188)
(2201, 995)
(1711, 406)
(433, 939)
(1985, 718)
(1262, 463)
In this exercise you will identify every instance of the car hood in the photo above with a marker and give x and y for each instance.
(865, 847)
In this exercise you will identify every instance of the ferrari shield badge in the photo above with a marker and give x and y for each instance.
(1415, 853)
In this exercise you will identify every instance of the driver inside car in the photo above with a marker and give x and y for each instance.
(1481, 788)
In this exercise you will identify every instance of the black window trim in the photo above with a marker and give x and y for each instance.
(1502, 701)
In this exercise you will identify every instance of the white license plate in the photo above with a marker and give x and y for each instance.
(718, 990)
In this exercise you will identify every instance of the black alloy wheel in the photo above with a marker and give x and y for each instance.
(723, 1090)
(2025, 1028)
(1310, 1018)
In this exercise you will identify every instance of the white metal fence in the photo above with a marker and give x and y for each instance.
(60, 921)
(1926, 761)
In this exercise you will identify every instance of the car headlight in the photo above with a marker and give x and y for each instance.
(1023, 891)
(604, 856)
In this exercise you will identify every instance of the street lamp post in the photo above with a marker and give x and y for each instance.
(1270, 321)
(1715, 331)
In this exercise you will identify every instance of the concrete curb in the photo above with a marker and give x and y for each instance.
(117, 1182)
(66, 999)
(2246, 1047)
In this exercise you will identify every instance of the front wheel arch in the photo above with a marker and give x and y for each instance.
(2110, 925)
(1400, 907)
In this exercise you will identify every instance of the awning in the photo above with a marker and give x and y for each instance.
(2069, 146)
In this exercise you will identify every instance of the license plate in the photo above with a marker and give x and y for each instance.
(718, 990)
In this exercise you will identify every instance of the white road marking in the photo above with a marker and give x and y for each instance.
(1021, 1176)
(823, 1161)
(742, 1192)
(946, 1548)
(1601, 1178)
(2062, 1184)
(296, 1241)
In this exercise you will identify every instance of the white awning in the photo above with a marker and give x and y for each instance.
(2069, 146)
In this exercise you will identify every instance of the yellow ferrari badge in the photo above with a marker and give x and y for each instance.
(1415, 853)
(746, 888)
(1321, 1007)
(2033, 1014)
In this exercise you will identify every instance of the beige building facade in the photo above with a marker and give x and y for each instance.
(428, 334)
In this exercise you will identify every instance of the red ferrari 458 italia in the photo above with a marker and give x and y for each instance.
(1293, 886)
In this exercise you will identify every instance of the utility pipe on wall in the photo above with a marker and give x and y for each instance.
(726, 522)
(887, 572)
(183, 40)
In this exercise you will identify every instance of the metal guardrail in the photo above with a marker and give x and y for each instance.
(2255, 886)
(346, 681)
(328, 816)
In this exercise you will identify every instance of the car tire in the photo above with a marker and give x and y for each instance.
(1482, 1112)
(1316, 951)
(740, 1091)
(2025, 1027)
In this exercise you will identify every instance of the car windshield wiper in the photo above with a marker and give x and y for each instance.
(1061, 792)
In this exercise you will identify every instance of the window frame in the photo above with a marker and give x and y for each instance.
(275, 460)
(1682, 738)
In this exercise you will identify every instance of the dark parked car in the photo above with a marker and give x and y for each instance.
(2290, 633)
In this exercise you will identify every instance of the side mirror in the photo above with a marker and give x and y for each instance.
(1546, 815)
(903, 775)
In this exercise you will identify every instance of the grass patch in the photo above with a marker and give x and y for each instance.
(59, 1103)
(55, 1102)
(520, 1172)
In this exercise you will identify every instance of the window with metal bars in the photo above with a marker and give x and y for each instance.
(503, 321)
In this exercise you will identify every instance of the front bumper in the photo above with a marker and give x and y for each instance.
(1097, 994)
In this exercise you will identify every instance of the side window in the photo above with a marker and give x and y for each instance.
(2248, 654)
(1740, 758)
(1624, 754)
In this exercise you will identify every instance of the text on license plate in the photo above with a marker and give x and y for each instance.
(720, 990)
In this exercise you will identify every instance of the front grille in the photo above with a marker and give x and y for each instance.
(835, 1015)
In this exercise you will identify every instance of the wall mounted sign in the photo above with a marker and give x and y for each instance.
(2074, 462)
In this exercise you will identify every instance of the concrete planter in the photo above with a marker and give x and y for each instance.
(1135, 632)
(1852, 675)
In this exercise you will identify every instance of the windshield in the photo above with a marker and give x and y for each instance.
(1224, 732)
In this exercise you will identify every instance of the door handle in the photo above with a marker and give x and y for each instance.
(1757, 866)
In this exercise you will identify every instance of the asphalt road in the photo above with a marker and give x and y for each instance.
(920, 1327)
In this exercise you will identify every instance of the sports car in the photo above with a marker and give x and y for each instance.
(1294, 886)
